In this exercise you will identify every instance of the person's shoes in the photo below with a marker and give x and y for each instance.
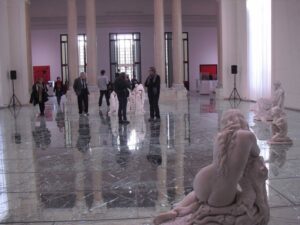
(157, 119)
(151, 119)
(120, 121)
(86, 114)
(42, 114)
(125, 122)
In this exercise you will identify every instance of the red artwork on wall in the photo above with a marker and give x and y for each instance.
(208, 71)
(41, 71)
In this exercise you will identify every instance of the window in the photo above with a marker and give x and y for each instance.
(168, 57)
(125, 54)
(82, 56)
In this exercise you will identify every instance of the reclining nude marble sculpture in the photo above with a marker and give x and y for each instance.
(263, 106)
(231, 190)
(279, 128)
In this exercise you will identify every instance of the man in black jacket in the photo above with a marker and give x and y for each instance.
(121, 88)
(80, 87)
(153, 85)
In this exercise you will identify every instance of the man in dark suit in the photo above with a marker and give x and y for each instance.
(121, 88)
(153, 86)
(80, 87)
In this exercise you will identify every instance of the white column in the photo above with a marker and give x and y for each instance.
(72, 40)
(28, 40)
(177, 44)
(18, 49)
(159, 49)
(233, 29)
(219, 33)
(4, 55)
(91, 41)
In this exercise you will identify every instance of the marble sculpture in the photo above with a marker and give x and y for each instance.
(279, 128)
(262, 108)
(114, 104)
(231, 190)
(139, 99)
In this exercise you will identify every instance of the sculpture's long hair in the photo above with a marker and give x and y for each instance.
(232, 121)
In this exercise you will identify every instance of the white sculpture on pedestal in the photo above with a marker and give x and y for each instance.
(131, 101)
(263, 107)
(231, 190)
(139, 99)
(279, 128)
(114, 104)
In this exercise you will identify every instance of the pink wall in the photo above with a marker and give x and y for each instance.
(202, 49)
(46, 50)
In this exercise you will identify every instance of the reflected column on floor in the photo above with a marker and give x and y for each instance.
(98, 204)
(162, 200)
(80, 205)
(179, 147)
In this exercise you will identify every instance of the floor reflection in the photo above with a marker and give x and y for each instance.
(41, 134)
(90, 168)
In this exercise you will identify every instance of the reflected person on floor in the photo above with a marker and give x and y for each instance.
(60, 119)
(154, 155)
(84, 136)
(42, 135)
(123, 154)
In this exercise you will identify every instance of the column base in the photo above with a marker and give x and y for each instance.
(177, 92)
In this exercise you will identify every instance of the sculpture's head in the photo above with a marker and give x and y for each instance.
(276, 84)
(233, 119)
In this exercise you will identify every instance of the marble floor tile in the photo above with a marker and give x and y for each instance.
(285, 215)
(64, 169)
(289, 188)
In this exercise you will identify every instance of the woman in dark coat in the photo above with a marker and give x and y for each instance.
(39, 95)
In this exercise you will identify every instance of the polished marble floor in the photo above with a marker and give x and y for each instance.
(63, 169)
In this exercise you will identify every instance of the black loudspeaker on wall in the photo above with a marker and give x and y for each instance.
(234, 69)
(13, 75)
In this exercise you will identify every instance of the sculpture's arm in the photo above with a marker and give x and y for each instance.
(255, 151)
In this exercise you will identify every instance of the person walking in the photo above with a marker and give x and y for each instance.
(58, 89)
(121, 88)
(39, 95)
(102, 85)
(80, 87)
(153, 87)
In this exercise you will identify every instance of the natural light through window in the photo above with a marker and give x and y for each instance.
(259, 48)
(125, 53)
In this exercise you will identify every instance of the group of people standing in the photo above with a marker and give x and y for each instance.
(39, 94)
(121, 86)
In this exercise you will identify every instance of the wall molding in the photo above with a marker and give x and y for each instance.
(45, 23)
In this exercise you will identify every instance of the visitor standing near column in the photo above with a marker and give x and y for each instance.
(121, 88)
(102, 85)
(153, 87)
(80, 87)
